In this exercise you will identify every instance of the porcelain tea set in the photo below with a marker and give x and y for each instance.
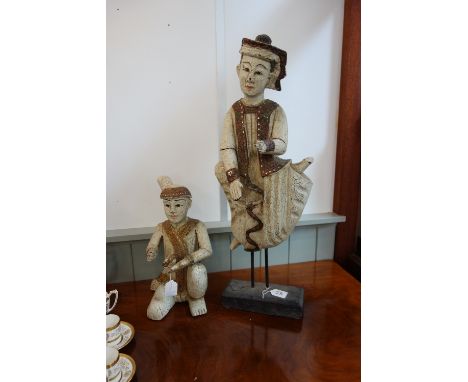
(119, 367)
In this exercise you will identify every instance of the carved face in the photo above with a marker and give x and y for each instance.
(176, 209)
(254, 75)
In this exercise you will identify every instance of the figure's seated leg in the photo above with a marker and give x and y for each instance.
(160, 304)
(197, 282)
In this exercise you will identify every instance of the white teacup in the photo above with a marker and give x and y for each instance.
(110, 306)
(113, 328)
(113, 368)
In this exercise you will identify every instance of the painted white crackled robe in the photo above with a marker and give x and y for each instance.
(275, 191)
(190, 240)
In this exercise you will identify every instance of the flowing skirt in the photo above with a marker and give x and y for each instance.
(264, 221)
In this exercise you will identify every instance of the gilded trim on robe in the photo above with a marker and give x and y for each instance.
(176, 237)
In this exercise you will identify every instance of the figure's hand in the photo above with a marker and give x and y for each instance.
(150, 253)
(181, 264)
(154, 284)
(167, 266)
(261, 147)
(236, 189)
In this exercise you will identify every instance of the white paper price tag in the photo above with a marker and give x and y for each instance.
(170, 289)
(279, 293)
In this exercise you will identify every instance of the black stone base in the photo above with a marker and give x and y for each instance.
(240, 295)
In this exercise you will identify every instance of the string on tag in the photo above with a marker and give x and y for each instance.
(266, 291)
(274, 292)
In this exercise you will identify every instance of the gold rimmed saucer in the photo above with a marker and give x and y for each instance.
(127, 332)
(127, 366)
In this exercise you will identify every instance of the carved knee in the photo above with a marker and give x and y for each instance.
(197, 280)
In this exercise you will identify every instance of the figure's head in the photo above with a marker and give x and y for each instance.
(176, 200)
(262, 65)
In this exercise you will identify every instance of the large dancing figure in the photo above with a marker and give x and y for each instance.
(266, 194)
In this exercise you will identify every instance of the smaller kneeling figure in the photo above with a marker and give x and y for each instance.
(186, 243)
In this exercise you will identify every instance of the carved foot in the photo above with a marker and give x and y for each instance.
(302, 165)
(197, 307)
(156, 313)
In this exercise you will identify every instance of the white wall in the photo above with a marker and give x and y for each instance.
(171, 77)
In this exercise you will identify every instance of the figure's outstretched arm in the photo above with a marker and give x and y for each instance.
(152, 248)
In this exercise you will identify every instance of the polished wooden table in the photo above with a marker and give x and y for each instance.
(229, 345)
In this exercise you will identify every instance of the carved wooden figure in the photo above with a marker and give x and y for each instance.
(186, 243)
(266, 194)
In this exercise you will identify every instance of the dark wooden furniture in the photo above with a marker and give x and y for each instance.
(348, 149)
(230, 345)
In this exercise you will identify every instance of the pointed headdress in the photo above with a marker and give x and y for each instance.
(170, 190)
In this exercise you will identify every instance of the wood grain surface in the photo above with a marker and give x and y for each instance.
(229, 345)
(348, 145)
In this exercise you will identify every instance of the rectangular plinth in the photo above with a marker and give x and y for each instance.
(240, 295)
